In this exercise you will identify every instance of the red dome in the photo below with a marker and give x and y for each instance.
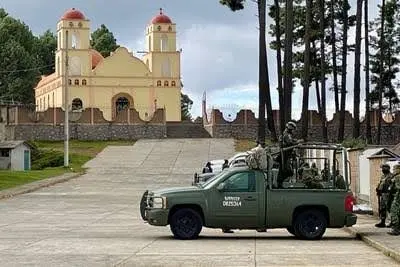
(96, 58)
(73, 14)
(161, 18)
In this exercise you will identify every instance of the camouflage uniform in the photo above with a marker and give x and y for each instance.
(382, 191)
(310, 179)
(340, 183)
(286, 140)
(395, 207)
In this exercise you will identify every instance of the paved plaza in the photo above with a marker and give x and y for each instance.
(94, 220)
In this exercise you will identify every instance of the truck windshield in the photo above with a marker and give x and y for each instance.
(210, 183)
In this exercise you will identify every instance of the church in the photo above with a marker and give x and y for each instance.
(118, 81)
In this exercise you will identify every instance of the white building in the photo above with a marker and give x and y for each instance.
(15, 155)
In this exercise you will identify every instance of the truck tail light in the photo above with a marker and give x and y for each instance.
(348, 203)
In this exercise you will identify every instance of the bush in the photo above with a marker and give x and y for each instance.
(43, 158)
(354, 143)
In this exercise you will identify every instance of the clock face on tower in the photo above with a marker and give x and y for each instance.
(75, 66)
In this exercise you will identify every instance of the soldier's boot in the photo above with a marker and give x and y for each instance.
(394, 231)
(381, 224)
(389, 225)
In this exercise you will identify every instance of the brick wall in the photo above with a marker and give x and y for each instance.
(245, 126)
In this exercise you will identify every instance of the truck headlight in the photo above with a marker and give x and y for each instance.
(159, 202)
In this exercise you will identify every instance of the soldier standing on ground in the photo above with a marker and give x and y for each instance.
(286, 140)
(382, 191)
(395, 207)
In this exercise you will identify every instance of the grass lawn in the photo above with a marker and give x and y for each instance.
(79, 153)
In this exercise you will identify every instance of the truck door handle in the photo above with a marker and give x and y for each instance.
(250, 199)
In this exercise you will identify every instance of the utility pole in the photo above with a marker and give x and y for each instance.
(66, 109)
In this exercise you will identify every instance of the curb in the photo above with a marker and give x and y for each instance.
(30, 187)
(375, 244)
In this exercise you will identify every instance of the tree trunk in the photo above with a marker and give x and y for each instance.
(318, 96)
(357, 66)
(367, 98)
(380, 86)
(334, 54)
(306, 80)
(262, 72)
(323, 83)
(344, 73)
(288, 68)
(317, 91)
(279, 66)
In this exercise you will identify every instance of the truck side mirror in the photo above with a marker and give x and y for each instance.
(221, 186)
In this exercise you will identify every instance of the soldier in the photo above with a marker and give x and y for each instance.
(226, 164)
(207, 168)
(382, 191)
(286, 140)
(395, 207)
(340, 183)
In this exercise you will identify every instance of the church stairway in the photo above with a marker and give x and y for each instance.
(186, 130)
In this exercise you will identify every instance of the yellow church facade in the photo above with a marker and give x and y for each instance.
(118, 81)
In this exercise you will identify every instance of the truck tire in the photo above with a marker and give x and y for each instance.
(186, 224)
(310, 225)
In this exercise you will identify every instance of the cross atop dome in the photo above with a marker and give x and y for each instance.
(161, 18)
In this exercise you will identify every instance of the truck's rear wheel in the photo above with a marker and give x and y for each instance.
(186, 223)
(310, 225)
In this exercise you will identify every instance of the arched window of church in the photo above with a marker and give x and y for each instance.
(158, 83)
(75, 40)
(48, 100)
(59, 40)
(37, 105)
(53, 100)
(173, 83)
(75, 66)
(164, 43)
(44, 103)
(58, 66)
(165, 83)
(76, 82)
(69, 82)
(166, 68)
(77, 104)
(121, 104)
(84, 82)
(149, 49)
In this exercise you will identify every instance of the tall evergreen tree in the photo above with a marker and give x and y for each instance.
(385, 61)
(367, 81)
(263, 84)
(357, 72)
(103, 41)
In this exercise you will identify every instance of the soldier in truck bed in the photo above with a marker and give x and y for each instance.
(286, 140)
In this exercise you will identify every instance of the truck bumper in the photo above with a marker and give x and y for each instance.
(350, 220)
(157, 217)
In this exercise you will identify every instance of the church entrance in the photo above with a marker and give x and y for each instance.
(120, 103)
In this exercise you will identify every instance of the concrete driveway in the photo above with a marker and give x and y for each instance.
(94, 220)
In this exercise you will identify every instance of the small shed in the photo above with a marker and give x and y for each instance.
(15, 155)
(364, 168)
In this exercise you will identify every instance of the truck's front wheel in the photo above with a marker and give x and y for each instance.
(310, 225)
(186, 223)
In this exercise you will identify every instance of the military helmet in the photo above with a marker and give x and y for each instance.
(385, 166)
(291, 125)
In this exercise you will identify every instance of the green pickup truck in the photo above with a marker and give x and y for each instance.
(245, 198)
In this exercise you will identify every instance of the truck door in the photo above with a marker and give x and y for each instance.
(235, 201)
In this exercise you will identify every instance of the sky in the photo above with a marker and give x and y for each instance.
(219, 47)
